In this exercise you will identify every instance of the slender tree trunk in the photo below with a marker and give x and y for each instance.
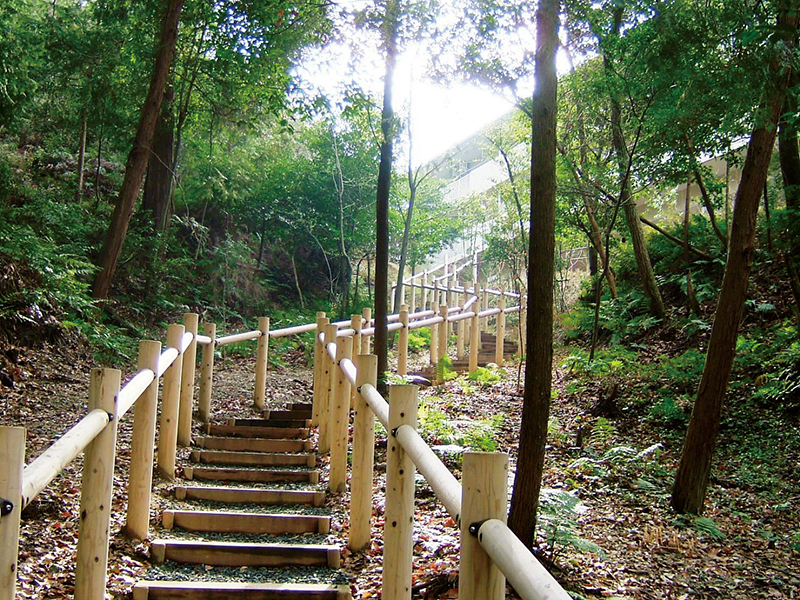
(694, 306)
(390, 23)
(82, 153)
(691, 480)
(137, 159)
(596, 237)
(157, 197)
(767, 218)
(643, 264)
(539, 344)
(707, 204)
(401, 267)
(297, 283)
(790, 168)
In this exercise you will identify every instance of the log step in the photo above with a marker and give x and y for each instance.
(258, 432)
(274, 423)
(239, 554)
(253, 444)
(260, 459)
(291, 415)
(251, 475)
(242, 522)
(302, 406)
(250, 495)
(224, 590)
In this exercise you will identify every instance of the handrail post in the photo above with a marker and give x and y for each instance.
(474, 336)
(398, 526)
(340, 418)
(356, 324)
(448, 302)
(170, 405)
(363, 457)
(402, 344)
(328, 379)
(501, 328)
(444, 331)
(425, 291)
(97, 487)
(435, 337)
(262, 354)
(187, 382)
(460, 327)
(207, 374)
(366, 317)
(140, 477)
(484, 484)
(322, 320)
(12, 457)
(413, 299)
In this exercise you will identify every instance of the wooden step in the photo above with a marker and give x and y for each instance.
(240, 554)
(302, 406)
(225, 590)
(243, 522)
(250, 495)
(260, 459)
(258, 432)
(253, 444)
(291, 415)
(251, 475)
(274, 423)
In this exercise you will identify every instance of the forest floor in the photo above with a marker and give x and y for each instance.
(608, 529)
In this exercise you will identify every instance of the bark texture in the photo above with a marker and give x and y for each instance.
(382, 203)
(691, 480)
(139, 154)
(539, 344)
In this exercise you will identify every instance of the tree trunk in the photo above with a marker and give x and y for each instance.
(691, 480)
(390, 24)
(712, 217)
(137, 158)
(596, 237)
(643, 264)
(539, 345)
(82, 153)
(694, 306)
(401, 267)
(157, 197)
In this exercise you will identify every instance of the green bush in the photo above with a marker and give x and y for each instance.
(419, 340)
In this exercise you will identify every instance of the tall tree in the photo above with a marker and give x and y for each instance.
(539, 346)
(389, 35)
(139, 154)
(691, 479)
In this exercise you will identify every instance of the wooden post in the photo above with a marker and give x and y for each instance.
(501, 329)
(484, 483)
(425, 291)
(12, 457)
(363, 457)
(187, 383)
(328, 379)
(262, 355)
(322, 320)
(140, 475)
(402, 345)
(443, 333)
(460, 327)
(413, 292)
(207, 374)
(435, 337)
(398, 527)
(356, 324)
(170, 405)
(366, 315)
(98, 484)
(474, 337)
(340, 418)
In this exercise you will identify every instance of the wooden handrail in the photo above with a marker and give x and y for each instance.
(47, 466)
(131, 391)
(237, 337)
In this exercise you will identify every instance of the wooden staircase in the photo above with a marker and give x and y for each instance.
(252, 519)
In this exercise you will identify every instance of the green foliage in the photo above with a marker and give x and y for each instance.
(481, 436)
(434, 425)
(444, 369)
(487, 375)
(558, 520)
(419, 340)
(603, 433)
(702, 525)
